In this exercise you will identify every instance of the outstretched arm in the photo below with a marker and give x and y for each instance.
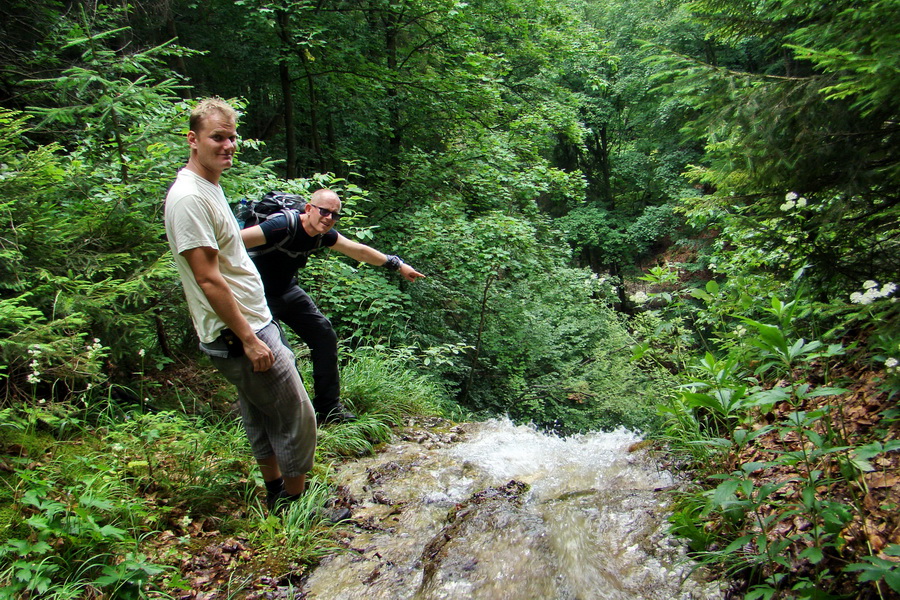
(253, 236)
(371, 256)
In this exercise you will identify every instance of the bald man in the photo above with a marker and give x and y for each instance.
(278, 265)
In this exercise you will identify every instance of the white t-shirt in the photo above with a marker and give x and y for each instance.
(197, 215)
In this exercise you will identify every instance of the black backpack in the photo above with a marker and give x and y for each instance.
(273, 203)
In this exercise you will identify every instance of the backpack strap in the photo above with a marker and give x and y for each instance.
(293, 226)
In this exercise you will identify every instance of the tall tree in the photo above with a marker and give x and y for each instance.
(801, 149)
(633, 154)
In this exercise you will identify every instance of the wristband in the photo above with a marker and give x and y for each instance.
(393, 262)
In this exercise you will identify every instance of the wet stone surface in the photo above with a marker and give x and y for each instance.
(495, 511)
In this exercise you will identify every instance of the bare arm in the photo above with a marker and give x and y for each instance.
(204, 264)
(371, 256)
(253, 236)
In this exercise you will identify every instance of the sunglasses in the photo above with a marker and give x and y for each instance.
(328, 213)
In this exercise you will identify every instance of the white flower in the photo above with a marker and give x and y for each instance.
(872, 292)
(787, 205)
(639, 297)
(801, 202)
(891, 362)
(858, 298)
(33, 377)
(141, 353)
(740, 331)
(790, 196)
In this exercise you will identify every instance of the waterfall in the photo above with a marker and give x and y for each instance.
(497, 511)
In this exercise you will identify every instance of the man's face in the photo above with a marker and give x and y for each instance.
(213, 147)
(319, 223)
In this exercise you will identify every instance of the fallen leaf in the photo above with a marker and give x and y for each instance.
(882, 480)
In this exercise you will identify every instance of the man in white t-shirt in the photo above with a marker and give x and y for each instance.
(228, 307)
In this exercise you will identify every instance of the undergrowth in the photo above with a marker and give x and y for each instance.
(101, 499)
(794, 448)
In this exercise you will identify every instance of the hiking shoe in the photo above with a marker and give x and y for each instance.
(279, 502)
(333, 515)
(329, 515)
(273, 497)
(336, 414)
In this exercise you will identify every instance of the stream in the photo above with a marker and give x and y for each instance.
(496, 511)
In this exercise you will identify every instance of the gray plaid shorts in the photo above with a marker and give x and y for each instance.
(275, 408)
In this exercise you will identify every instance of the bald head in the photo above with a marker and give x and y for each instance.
(322, 211)
(322, 195)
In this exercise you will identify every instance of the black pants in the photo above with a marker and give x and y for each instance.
(296, 309)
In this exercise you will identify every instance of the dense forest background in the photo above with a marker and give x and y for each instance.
(678, 217)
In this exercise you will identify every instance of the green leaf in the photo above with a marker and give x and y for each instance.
(113, 532)
(725, 492)
(760, 592)
(813, 554)
(701, 295)
(739, 543)
(826, 391)
(754, 466)
(875, 448)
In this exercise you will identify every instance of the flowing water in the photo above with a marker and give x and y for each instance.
(496, 511)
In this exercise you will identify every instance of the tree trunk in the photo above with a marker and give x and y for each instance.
(179, 65)
(483, 317)
(314, 137)
(390, 32)
(287, 94)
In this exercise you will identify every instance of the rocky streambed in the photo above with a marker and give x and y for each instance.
(497, 511)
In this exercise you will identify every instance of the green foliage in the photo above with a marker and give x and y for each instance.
(76, 526)
(299, 535)
(716, 415)
(163, 453)
(542, 345)
(92, 482)
(86, 219)
(377, 383)
(614, 240)
(800, 155)
(383, 390)
(875, 568)
(631, 154)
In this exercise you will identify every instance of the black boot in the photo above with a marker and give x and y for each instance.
(274, 490)
(335, 413)
(331, 515)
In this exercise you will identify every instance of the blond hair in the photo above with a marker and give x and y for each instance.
(205, 108)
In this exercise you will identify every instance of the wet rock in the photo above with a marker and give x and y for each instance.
(506, 512)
